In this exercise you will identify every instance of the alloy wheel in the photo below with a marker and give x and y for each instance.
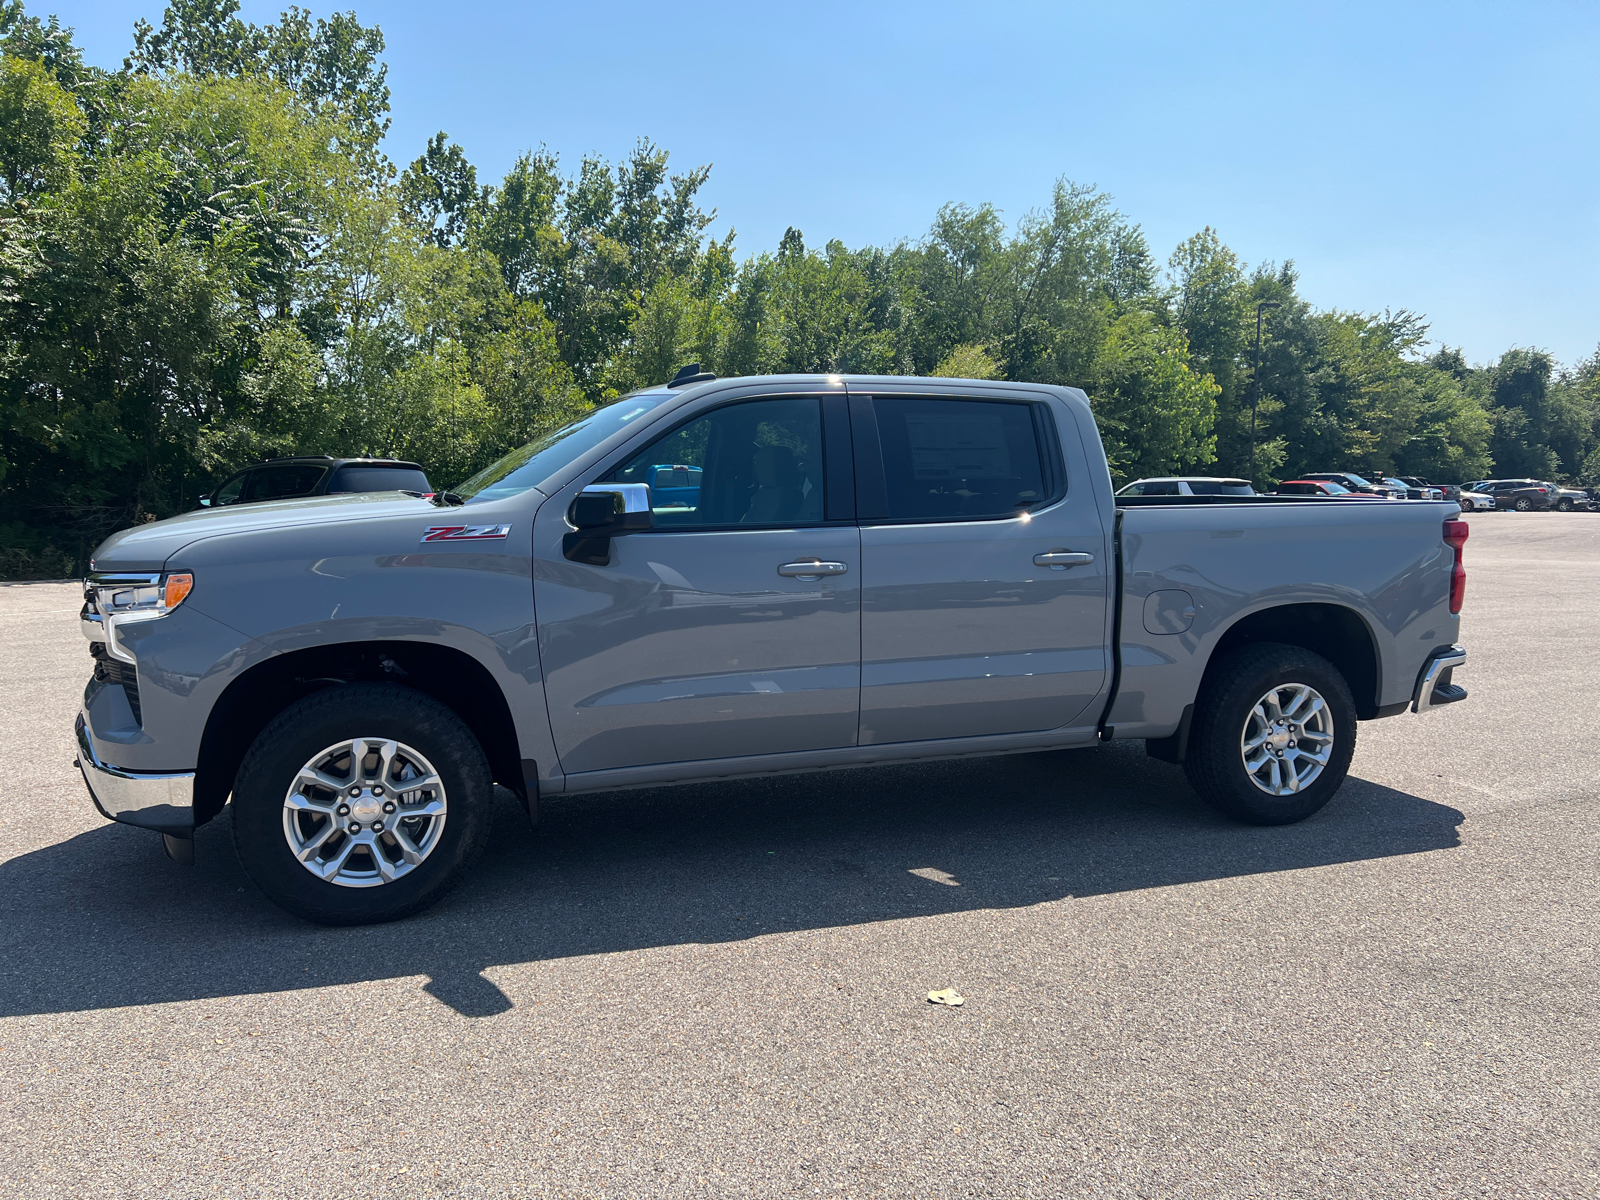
(364, 812)
(1287, 739)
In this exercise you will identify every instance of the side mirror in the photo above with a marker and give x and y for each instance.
(601, 512)
(205, 501)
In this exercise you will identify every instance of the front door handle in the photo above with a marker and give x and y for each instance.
(811, 568)
(1060, 560)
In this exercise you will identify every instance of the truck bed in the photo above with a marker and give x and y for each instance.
(1369, 579)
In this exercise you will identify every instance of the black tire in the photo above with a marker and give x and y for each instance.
(1564, 505)
(1466, 506)
(1522, 504)
(319, 721)
(1232, 688)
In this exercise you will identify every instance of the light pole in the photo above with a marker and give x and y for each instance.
(1255, 386)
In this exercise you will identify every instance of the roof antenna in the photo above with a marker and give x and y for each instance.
(690, 374)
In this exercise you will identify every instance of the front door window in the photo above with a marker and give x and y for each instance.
(752, 465)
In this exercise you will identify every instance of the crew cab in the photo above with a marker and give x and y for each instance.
(737, 577)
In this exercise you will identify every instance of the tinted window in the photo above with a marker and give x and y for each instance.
(1216, 487)
(1166, 487)
(230, 492)
(958, 459)
(758, 463)
(532, 464)
(378, 479)
(280, 483)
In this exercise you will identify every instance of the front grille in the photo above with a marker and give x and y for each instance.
(114, 670)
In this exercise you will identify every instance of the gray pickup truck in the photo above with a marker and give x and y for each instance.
(736, 577)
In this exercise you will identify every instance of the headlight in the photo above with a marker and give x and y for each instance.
(111, 600)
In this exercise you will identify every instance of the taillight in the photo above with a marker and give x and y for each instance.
(1455, 536)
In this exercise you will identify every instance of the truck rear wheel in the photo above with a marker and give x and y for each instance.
(360, 804)
(1273, 733)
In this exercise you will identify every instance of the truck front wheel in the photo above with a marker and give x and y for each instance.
(361, 803)
(1273, 733)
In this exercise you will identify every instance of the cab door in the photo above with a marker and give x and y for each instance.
(733, 627)
(985, 569)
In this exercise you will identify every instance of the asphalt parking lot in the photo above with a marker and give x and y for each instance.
(721, 990)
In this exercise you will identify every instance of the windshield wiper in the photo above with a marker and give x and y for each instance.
(448, 499)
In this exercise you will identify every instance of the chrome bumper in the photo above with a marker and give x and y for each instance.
(1434, 686)
(163, 802)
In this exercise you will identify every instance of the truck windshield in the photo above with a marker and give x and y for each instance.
(530, 465)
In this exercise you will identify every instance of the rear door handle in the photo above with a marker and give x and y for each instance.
(1061, 559)
(811, 568)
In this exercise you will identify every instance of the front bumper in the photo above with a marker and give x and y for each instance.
(163, 801)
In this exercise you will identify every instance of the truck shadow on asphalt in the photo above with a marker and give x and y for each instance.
(104, 920)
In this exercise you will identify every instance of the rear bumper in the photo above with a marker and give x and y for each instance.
(1435, 687)
(163, 801)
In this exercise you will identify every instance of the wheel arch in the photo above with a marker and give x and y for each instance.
(250, 702)
(1337, 632)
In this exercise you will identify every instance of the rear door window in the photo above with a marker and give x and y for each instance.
(282, 483)
(356, 478)
(1220, 487)
(958, 459)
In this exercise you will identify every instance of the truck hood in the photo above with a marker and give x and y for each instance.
(148, 547)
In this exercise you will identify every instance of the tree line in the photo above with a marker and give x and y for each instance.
(207, 258)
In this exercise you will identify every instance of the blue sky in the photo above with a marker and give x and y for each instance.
(1437, 157)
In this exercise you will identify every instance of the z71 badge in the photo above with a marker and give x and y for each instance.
(464, 533)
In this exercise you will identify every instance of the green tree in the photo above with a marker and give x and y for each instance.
(332, 64)
(1210, 309)
(39, 129)
(1157, 415)
(967, 361)
(439, 191)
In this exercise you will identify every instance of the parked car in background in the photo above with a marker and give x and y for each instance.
(1355, 483)
(674, 485)
(1415, 489)
(1320, 487)
(1471, 501)
(1447, 491)
(1522, 495)
(1188, 485)
(317, 475)
(1571, 499)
